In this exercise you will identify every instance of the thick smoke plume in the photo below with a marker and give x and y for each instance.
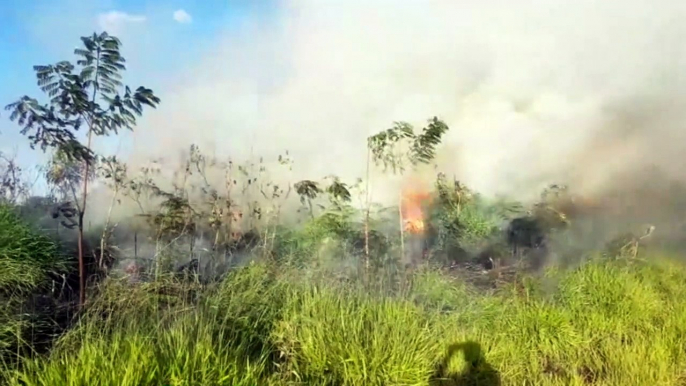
(579, 92)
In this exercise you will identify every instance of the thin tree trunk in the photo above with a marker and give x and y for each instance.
(82, 212)
(309, 204)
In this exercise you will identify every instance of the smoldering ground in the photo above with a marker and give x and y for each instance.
(535, 92)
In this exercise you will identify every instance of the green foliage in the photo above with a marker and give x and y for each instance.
(394, 148)
(175, 216)
(305, 314)
(424, 146)
(307, 190)
(88, 93)
(384, 146)
(302, 312)
(26, 257)
(339, 192)
(464, 219)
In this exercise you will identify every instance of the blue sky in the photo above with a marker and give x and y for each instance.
(160, 37)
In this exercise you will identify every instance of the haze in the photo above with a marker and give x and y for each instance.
(535, 92)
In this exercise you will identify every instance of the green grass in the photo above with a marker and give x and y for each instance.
(604, 323)
(26, 256)
(26, 260)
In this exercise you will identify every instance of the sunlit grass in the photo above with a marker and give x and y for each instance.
(604, 323)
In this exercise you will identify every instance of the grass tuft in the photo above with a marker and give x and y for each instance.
(604, 323)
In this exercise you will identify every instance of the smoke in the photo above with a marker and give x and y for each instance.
(535, 92)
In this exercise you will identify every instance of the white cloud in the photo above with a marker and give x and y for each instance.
(114, 21)
(182, 16)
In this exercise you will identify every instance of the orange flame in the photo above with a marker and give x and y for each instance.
(411, 210)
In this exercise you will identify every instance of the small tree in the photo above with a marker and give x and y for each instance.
(400, 146)
(89, 93)
(308, 190)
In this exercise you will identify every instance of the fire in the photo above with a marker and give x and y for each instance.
(414, 226)
(411, 210)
